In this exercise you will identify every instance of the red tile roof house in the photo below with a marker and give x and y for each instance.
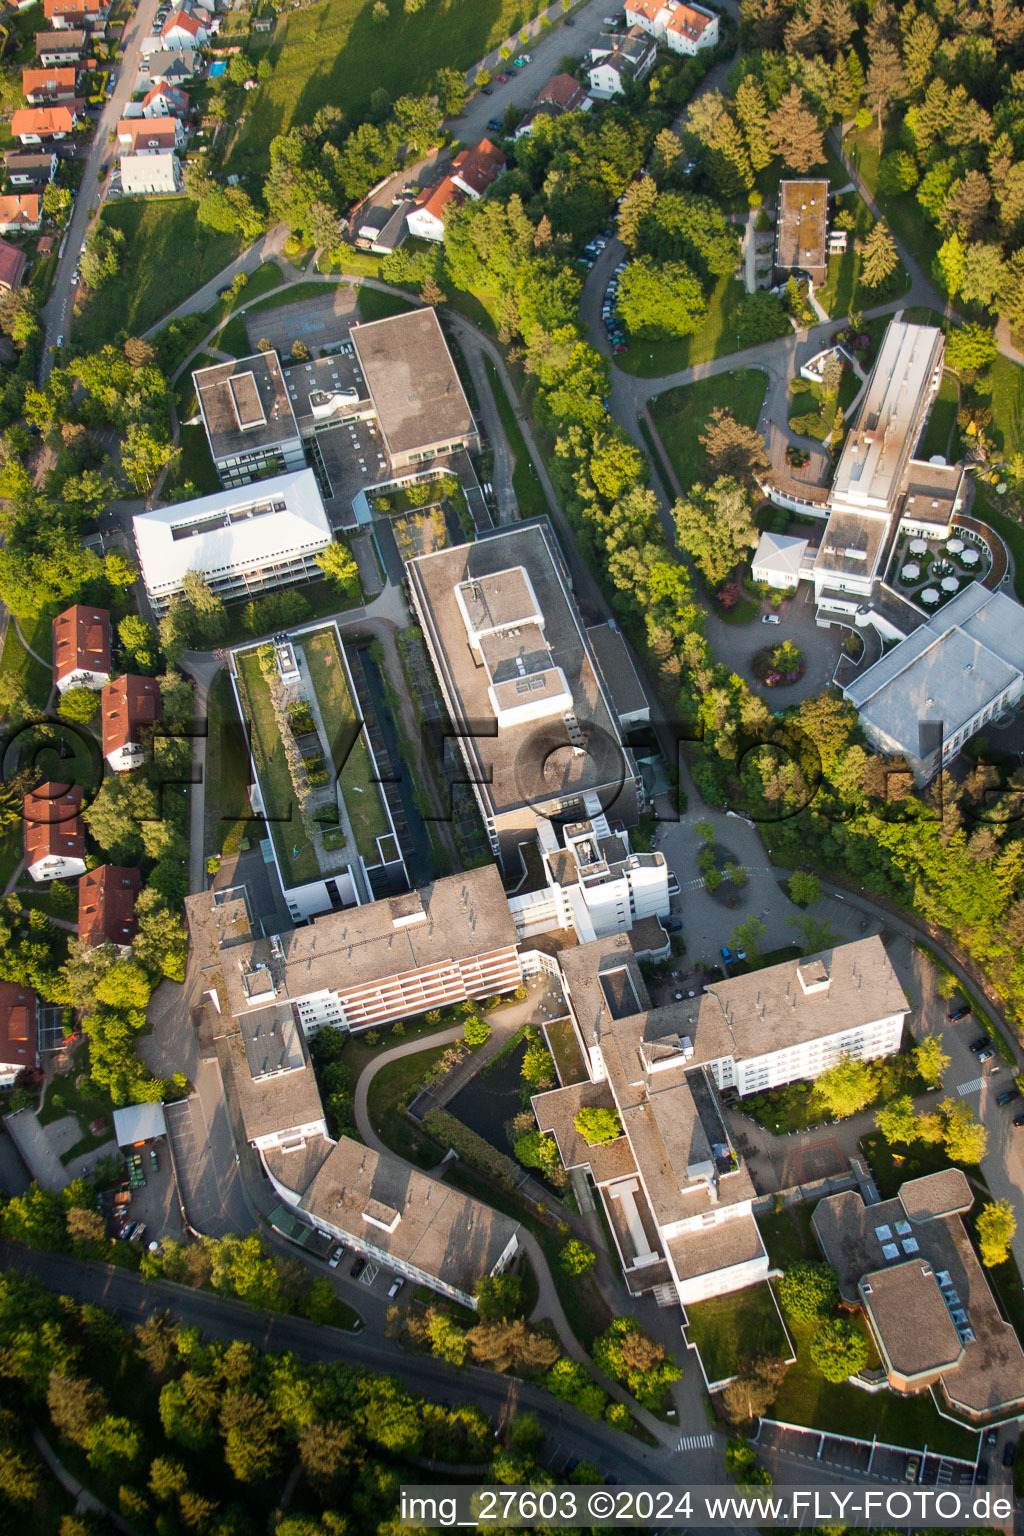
(20, 211)
(128, 705)
(19, 1046)
(42, 85)
(106, 905)
(562, 91)
(189, 27)
(54, 832)
(473, 171)
(165, 101)
(34, 124)
(62, 47)
(64, 15)
(81, 648)
(149, 135)
(12, 266)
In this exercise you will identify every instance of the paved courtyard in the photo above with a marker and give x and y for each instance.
(735, 644)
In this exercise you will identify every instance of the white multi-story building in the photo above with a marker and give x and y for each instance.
(683, 28)
(365, 965)
(933, 691)
(594, 884)
(677, 1196)
(243, 541)
(249, 419)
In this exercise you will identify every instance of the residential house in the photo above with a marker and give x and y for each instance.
(20, 211)
(12, 266)
(909, 1265)
(66, 15)
(29, 170)
(562, 93)
(129, 706)
(62, 48)
(106, 906)
(54, 833)
(472, 172)
(169, 66)
(150, 175)
(188, 27)
(19, 1044)
(150, 135)
(683, 28)
(165, 101)
(40, 86)
(780, 560)
(620, 61)
(34, 125)
(81, 648)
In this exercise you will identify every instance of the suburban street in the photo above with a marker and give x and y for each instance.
(58, 311)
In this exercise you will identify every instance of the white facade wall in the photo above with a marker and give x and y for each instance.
(810, 1058)
(292, 1139)
(424, 225)
(681, 42)
(83, 678)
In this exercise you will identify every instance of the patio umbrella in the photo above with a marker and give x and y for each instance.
(910, 572)
(929, 596)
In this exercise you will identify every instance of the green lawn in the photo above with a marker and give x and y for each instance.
(842, 291)
(788, 1235)
(715, 336)
(904, 214)
(986, 508)
(227, 773)
(681, 415)
(528, 491)
(730, 1330)
(359, 787)
(295, 852)
(335, 54)
(805, 1397)
(942, 420)
(64, 1097)
(165, 257)
(392, 1088)
(916, 1160)
(194, 466)
(1002, 387)
(36, 679)
(375, 305)
(807, 401)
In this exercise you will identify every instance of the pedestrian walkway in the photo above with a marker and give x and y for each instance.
(973, 1086)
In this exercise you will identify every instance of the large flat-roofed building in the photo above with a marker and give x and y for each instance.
(677, 1195)
(801, 231)
(909, 1264)
(369, 964)
(417, 397)
(243, 541)
(899, 394)
(393, 1214)
(538, 732)
(593, 883)
(963, 667)
(248, 416)
(786, 1022)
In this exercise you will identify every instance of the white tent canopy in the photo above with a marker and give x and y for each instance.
(139, 1122)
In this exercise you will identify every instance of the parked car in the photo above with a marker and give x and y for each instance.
(495, 124)
(981, 1472)
(1008, 1096)
(673, 924)
(500, 79)
(487, 90)
(1009, 1453)
(336, 1256)
(673, 883)
(1018, 1120)
(980, 1044)
(913, 1467)
(395, 1287)
(60, 339)
(727, 954)
(569, 22)
(961, 1011)
(986, 1055)
(741, 954)
(620, 346)
(991, 1437)
(357, 1268)
(769, 618)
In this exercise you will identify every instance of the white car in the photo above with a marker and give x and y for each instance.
(335, 1258)
(770, 618)
(395, 1287)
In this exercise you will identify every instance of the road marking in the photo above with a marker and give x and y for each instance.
(696, 1443)
(972, 1087)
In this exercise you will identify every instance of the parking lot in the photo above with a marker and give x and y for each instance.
(882, 1463)
(209, 1192)
(319, 322)
(155, 1203)
(371, 1277)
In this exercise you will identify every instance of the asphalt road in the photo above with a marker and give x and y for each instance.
(59, 308)
(133, 1299)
